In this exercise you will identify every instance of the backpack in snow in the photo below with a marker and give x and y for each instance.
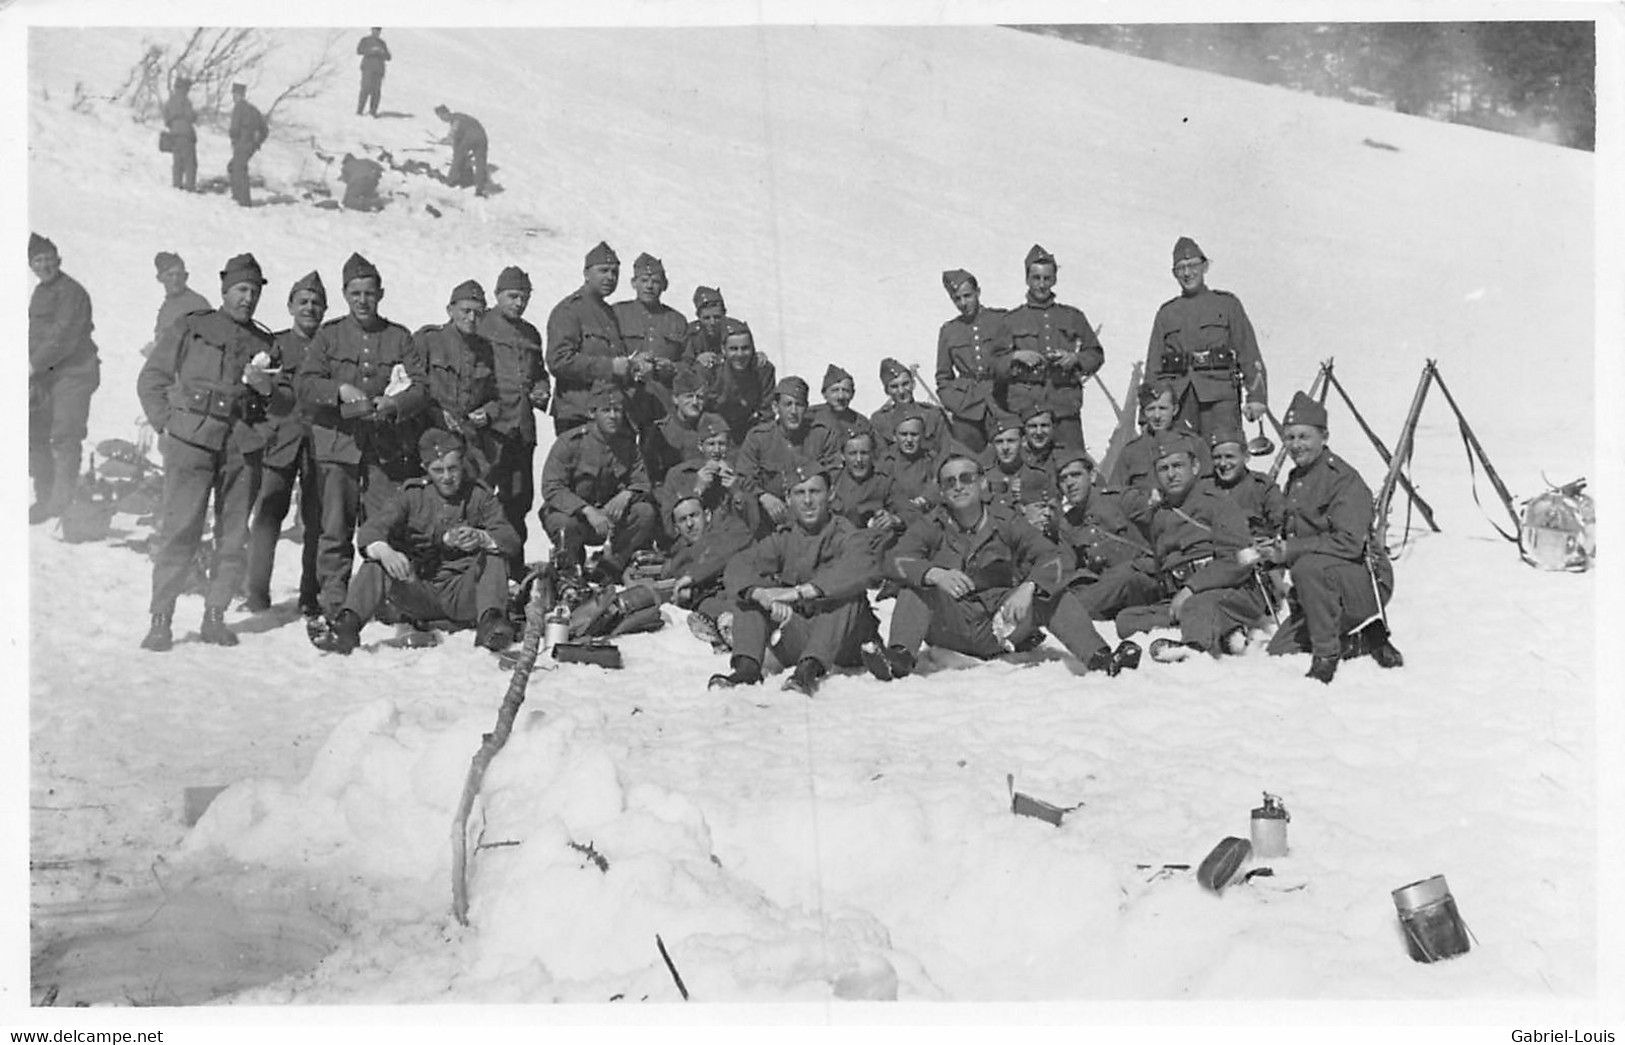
(1560, 529)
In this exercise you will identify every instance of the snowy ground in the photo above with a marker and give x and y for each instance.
(858, 846)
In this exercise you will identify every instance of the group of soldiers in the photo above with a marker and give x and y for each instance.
(775, 521)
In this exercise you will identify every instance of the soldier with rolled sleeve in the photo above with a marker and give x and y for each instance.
(584, 342)
(523, 387)
(205, 389)
(365, 388)
(463, 395)
(64, 371)
(1203, 342)
(1054, 351)
(595, 489)
(1341, 576)
(973, 360)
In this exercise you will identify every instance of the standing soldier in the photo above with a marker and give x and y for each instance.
(205, 389)
(584, 343)
(248, 132)
(1341, 577)
(462, 382)
(522, 389)
(364, 387)
(181, 121)
(468, 150)
(64, 369)
(1054, 351)
(289, 458)
(179, 299)
(1203, 342)
(741, 388)
(595, 489)
(374, 53)
(710, 326)
(973, 360)
(898, 380)
(655, 336)
(773, 449)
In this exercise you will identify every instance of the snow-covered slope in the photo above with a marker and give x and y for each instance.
(860, 845)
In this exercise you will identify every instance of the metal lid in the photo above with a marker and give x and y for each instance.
(1421, 893)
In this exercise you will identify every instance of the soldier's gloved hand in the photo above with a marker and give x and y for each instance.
(1181, 597)
(954, 582)
(1253, 411)
(394, 563)
(774, 508)
(600, 522)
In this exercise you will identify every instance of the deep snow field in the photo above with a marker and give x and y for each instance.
(859, 846)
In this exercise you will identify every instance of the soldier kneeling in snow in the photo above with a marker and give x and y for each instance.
(1341, 578)
(436, 553)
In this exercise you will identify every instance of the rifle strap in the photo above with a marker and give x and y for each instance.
(1472, 469)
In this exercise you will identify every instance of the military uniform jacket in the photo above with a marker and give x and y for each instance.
(934, 438)
(1099, 535)
(415, 520)
(374, 53)
(671, 441)
(845, 424)
(681, 481)
(583, 469)
(191, 387)
(973, 362)
(1002, 552)
(248, 129)
(696, 342)
(175, 307)
(583, 342)
(1260, 500)
(462, 378)
(744, 397)
(344, 352)
(911, 477)
(466, 132)
(661, 331)
(1009, 487)
(180, 118)
(516, 360)
(1328, 510)
(1046, 329)
(286, 425)
(768, 453)
(703, 561)
(1196, 543)
(837, 559)
(1203, 342)
(59, 326)
(859, 499)
(1137, 465)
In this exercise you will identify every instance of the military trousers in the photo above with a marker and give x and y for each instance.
(1208, 418)
(968, 433)
(1204, 619)
(193, 479)
(58, 419)
(1115, 590)
(348, 494)
(1330, 597)
(459, 592)
(635, 532)
(931, 615)
(183, 163)
(237, 173)
(513, 474)
(832, 634)
(277, 485)
(372, 89)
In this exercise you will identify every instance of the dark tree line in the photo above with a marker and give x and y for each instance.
(1531, 78)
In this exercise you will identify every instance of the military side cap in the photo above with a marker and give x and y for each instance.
(601, 255)
(311, 281)
(853, 430)
(910, 412)
(794, 387)
(1039, 256)
(1035, 409)
(1226, 434)
(38, 245)
(1066, 454)
(685, 380)
(513, 278)
(437, 443)
(953, 279)
(165, 259)
(704, 296)
(802, 470)
(1304, 411)
(712, 425)
(891, 368)
(1187, 250)
(358, 267)
(1150, 390)
(1169, 443)
(833, 375)
(604, 393)
(241, 269)
(650, 264)
(239, 88)
(468, 290)
(1003, 421)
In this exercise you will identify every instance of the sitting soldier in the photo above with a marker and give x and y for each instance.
(774, 447)
(979, 580)
(595, 489)
(835, 412)
(706, 542)
(912, 466)
(810, 579)
(741, 387)
(676, 436)
(1114, 566)
(1260, 500)
(703, 345)
(863, 494)
(1196, 535)
(1135, 475)
(899, 384)
(710, 474)
(1341, 577)
(437, 553)
(1003, 468)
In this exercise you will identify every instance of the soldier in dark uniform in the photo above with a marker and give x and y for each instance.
(179, 299)
(1114, 567)
(205, 389)
(247, 133)
(809, 578)
(1258, 498)
(1054, 351)
(437, 554)
(973, 361)
(772, 449)
(1341, 577)
(655, 335)
(709, 474)
(595, 489)
(898, 380)
(1135, 476)
(64, 371)
(374, 53)
(522, 389)
(463, 398)
(180, 119)
(835, 412)
(861, 492)
(981, 581)
(1196, 535)
(365, 387)
(740, 388)
(469, 146)
(584, 343)
(1204, 343)
(911, 466)
(289, 461)
(676, 436)
(1004, 467)
(706, 542)
(703, 344)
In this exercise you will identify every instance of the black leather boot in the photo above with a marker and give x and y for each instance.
(159, 636)
(214, 630)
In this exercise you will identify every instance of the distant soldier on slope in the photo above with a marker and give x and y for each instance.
(181, 121)
(248, 132)
(468, 150)
(64, 369)
(374, 53)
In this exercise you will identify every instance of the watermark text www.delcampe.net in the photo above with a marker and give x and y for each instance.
(91, 1037)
